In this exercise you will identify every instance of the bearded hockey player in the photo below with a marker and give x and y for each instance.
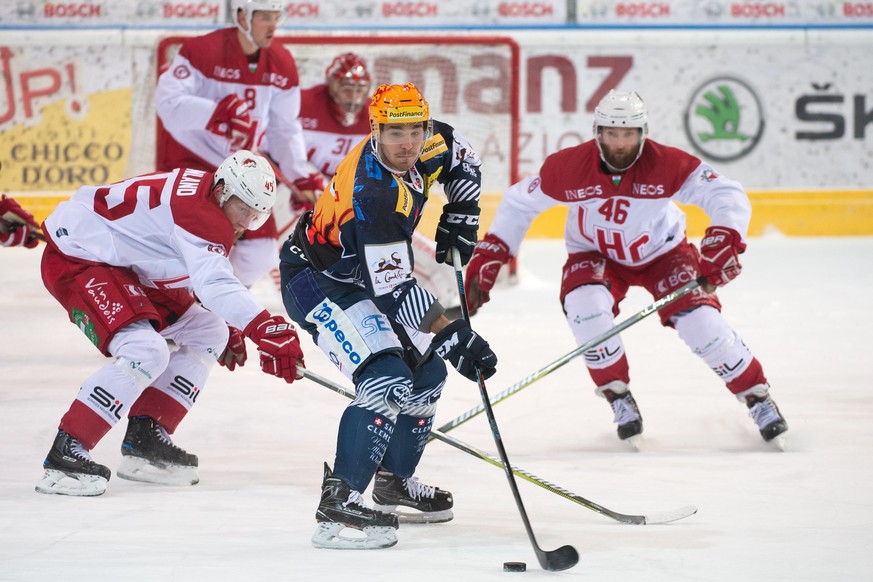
(624, 229)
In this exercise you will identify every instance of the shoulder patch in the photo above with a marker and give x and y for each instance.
(404, 199)
(434, 146)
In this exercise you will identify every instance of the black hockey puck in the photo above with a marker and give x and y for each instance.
(514, 566)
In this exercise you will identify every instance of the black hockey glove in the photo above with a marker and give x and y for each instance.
(465, 350)
(457, 228)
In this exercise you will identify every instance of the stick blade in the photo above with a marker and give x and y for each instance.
(563, 558)
(669, 516)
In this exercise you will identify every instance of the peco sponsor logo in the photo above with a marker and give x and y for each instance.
(301, 9)
(190, 10)
(525, 9)
(72, 10)
(757, 9)
(416, 9)
(642, 9)
(584, 193)
(648, 189)
(324, 316)
(858, 9)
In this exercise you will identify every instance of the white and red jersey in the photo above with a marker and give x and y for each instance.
(165, 227)
(632, 221)
(206, 70)
(327, 140)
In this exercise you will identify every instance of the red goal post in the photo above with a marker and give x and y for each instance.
(470, 82)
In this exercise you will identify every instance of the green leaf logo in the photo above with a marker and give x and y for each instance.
(724, 119)
(723, 113)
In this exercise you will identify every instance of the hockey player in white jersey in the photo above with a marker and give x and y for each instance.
(624, 229)
(229, 90)
(335, 120)
(123, 261)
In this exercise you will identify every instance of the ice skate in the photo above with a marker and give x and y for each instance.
(149, 455)
(425, 503)
(346, 523)
(627, 415)
(69, 470)
(766, 414)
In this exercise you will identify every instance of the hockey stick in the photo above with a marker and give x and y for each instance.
(594, 342)
(564, 557)
(660, 518)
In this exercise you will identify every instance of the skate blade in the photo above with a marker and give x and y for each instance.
(405, 515)
(779, 442)
(55, 482)
(336, 536)
(139, 469)
(635, 442)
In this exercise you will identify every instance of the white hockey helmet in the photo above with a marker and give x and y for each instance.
(250, 178)
(249, 7)
(621, 109)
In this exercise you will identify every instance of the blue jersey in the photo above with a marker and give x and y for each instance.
(363, 222)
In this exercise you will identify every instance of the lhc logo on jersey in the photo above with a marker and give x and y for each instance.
(724, 119)
(217, 249)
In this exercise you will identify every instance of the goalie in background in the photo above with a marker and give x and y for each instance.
(17, 226)
(124, 261)
(347, 280)
(227, 91)
(624, 229)
(335, 119)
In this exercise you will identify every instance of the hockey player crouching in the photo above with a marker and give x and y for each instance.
(123, 260)
(346, 279)
(624, 229)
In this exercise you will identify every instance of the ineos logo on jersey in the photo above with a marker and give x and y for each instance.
(584, 193)
(226, 73)
(280, 81)
(648, 189)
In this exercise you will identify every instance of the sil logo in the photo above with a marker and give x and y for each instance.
(724, 119)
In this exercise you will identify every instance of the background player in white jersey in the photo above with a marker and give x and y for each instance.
(624, 229)
(123, 260)
(346, 279)
(229, 90)
(17, 226)
(335, 119)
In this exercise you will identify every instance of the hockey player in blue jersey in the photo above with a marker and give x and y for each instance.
(347, 280)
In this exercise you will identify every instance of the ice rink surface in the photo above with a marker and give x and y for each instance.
(802, 305)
